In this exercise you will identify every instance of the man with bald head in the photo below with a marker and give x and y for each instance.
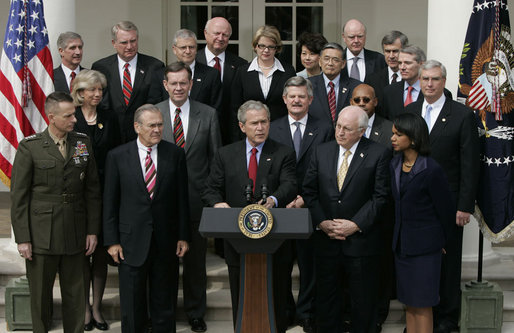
(346, 188)
(361, 62)
(217, 34)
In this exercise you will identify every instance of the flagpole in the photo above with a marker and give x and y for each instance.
(480, 255)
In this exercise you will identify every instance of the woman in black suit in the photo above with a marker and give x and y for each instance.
(102, 127)
(263, 79)
(424, 213)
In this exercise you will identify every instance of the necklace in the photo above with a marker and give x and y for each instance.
(265, 68)
(92, 120)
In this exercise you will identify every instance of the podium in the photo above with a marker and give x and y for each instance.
(255, 309)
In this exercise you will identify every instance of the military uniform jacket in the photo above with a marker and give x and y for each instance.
(55, 202)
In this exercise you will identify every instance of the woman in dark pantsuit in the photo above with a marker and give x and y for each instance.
(102, 127)
(424, 213)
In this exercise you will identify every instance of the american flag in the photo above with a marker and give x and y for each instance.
(26, 78)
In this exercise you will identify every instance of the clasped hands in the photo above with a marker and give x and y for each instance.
(339, 228)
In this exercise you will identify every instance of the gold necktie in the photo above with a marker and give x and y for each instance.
(343, 169)
(62, 147)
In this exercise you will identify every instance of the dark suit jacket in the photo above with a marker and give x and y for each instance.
(361, 200)
(144, 82)
(229, 174)
(227, 121)
(106, 136)
(202, 142)
(60, 83)
(454, 145)
(373, 61)
(393, 100)
(316, 132)
(246, 86)
(381, 131)
(425, 211)
(319, 107)
(131, 218)
(379, 80)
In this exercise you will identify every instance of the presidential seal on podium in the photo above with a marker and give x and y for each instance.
(255, 221)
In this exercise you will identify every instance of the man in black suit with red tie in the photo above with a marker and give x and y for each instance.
(361, 62)
(217, 33)
(392, 43)
(265, 162)
(333, 88)
(70, 46)
(146, 222)
(346, 188)
(130, 78)
(454, 145)
(302, 132)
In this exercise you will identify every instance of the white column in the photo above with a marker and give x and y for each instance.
(59, 18)
(447, 26)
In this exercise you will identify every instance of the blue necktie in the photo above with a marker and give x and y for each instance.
(297, 138)
(428, 116)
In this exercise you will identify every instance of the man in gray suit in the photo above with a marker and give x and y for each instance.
(193, 126)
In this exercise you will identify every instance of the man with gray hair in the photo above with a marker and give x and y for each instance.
(346, 188)
(361, 62)
(265, 162)
(302, 132)
(454, 145)
(400, 94)
(392, 43)
(130, 77)
(70, 46)
(333, 88)
(206, 80)
(217, 33)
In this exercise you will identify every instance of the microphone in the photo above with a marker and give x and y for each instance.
(249, 191)
(264, 193)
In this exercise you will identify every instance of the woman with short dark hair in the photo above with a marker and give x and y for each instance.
(424, 212)
(309, 48)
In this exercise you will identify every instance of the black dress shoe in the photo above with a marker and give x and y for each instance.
(198, 325)
(101, 326)
(307, 324)
(445, 327)
(89, 326)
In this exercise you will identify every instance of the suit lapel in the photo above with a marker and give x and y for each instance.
(265, 162)
(162, 167)
(193, 125)
(168, 124)
(116, 85)
(139, 77)
(284, 132)
(441, 122)
(135, 165)
(274, 82)
(308, 136)
(198, 79)
(343, 92)
(321, 90)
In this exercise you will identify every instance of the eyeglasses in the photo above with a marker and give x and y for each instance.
(359, 99)
(269, 47)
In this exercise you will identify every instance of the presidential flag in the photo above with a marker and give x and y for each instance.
(26, 78)
(486, 82)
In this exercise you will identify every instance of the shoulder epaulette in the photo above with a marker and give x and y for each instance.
(80, 134)
(32, 137)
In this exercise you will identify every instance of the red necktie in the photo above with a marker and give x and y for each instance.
(217, 65)
(395, 78)
(332, 100)
(178, 131)
(408, 100)
(252, 167)
(127, 84)
(150, 173)
(73, 74)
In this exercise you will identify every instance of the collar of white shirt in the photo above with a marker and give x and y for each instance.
(350, 55)
(254, 66)
(209, 57)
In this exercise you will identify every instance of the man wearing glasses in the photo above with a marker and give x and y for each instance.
(332, 89)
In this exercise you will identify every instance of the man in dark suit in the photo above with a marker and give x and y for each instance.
(200, 139)
(332, 82)
(400, 94)
(454, 145)
(392, 43)
(130, 78)
(379, 130)
(303, 133)
(206, 80)
(146, 222)
(345, 189)
(361, 62)
(265, 162)
(55, 213)
(217, 33)
(70, 49)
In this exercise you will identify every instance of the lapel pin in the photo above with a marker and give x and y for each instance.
(444, 119)
(100, 125)
(310, 133)
(344, 90)
(376, 133)
(362, 155)
(198, 80)
(233, 67)
(268, 159)
(141, 71)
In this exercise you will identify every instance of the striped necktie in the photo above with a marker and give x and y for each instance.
(150, 173)
(178, 130)
(127, 84)
(332, 100)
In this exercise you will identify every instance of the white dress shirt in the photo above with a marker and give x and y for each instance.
(414, 92)
(265, 81)
(336, 86)
(436, 110)
(132, 69)
(184, 116)
(390, 75)
(209, 56)
(142, 150)
(361, 63)
(67, 73)
(292, 126)
(342, 150)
